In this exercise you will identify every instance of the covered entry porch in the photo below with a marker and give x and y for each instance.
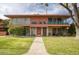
(48, 31)
(57, 31)
(38, 31)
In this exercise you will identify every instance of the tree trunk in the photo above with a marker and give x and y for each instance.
(76, 19)
(77, 32)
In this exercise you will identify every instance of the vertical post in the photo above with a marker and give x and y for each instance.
(56, 31)
(41, 31)
(35, 31)
(30, 31)
(52, 31)
(47, 31)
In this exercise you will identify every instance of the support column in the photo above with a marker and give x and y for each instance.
(35, 31)
(30, 31)
(56, 31)
(52, 32)
(41, 31)
(47, 31)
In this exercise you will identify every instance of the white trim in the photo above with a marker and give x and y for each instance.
(47, 31)
(41, 31)
(35, 31)
(30, 31)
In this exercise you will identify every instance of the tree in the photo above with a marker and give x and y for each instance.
(45, 5)
(74, 15)
(6, 23)
(72, 30)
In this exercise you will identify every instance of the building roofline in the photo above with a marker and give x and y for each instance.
(34, 15)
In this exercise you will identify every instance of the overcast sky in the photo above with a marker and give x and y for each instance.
(31, 8)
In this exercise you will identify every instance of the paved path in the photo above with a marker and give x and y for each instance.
(37, 47)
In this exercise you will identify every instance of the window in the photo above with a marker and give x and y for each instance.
(50, 19)
(59, 18)
(27, 20)
(40, 22)
(14, 21)
(33, 31)
(44, 22)
(33, 22)
(59, 21)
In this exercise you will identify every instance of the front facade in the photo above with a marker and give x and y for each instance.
(41, 25)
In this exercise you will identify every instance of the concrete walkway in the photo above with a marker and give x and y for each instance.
(37, 47)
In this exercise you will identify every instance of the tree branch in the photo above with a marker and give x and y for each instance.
(70, 11)
(75, 10)
(66, 7)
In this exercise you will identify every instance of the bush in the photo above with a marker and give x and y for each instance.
(72, 30)
(19, 31)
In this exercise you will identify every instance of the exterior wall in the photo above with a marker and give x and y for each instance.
(20, 21)
(39, 20)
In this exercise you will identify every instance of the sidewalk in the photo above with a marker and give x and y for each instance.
(37, 47)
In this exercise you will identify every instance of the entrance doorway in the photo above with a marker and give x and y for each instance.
(38, 31)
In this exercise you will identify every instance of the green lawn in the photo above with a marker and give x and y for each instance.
(62, 45)
(14, 45)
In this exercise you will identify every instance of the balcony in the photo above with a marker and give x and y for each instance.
(52, 23)
(57, 23)
(49, 25)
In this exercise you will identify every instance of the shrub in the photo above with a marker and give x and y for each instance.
(72, 30)
(19, 31)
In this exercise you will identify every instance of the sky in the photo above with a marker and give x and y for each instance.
(31, 8)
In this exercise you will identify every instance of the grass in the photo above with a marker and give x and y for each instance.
(62, 45)
(14, 45)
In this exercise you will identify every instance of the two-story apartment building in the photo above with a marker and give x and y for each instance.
(41, 25)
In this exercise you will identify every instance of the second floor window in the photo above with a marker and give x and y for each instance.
(49, 19)
(44, 22)
(34, 22)
(40, 22)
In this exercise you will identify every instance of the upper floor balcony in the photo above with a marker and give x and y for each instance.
(39, 22)
(48, 23)
(57, 23)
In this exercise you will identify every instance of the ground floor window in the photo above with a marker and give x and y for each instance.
(57, 31)
(27, 31)
(44, 31)
(33, 31)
